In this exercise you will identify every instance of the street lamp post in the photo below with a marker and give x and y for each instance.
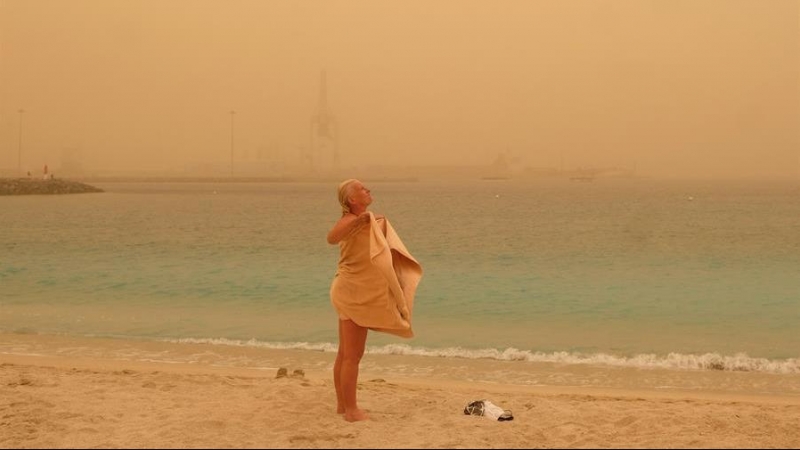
(233, 113)
(19, 148)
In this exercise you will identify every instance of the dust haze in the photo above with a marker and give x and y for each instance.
(661, 88)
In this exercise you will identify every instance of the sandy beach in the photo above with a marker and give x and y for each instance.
(70, 402)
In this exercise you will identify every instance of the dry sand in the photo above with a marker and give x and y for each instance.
(58, 402)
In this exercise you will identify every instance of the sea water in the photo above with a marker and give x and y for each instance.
(616, 272)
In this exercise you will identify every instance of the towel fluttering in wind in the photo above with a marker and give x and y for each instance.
(376, 279)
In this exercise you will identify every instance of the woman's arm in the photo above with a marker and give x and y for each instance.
(346, 225)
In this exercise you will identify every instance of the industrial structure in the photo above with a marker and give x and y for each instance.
(323, 150)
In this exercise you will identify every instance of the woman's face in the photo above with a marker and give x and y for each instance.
(360, 195)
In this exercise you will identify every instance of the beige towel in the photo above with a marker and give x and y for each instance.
(377, 279)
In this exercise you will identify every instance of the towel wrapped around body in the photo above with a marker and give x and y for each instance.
(376, 279)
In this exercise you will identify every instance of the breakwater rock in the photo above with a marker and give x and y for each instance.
(28, 186)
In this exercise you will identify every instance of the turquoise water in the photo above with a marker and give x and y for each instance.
(621, 272)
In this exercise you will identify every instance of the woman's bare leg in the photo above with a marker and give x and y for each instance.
(352, 340)
(337, 374)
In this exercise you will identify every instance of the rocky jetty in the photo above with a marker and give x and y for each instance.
(29, 186)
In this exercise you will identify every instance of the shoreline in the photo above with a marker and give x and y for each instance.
(555, 376)
(321, 375)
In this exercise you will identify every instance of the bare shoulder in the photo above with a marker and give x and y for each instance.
(345, 220)
(343, 227)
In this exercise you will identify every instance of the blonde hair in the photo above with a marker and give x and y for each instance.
(344, 192)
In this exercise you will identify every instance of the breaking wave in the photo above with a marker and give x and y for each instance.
(678, 361)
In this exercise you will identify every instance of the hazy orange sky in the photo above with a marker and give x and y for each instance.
(672, 87)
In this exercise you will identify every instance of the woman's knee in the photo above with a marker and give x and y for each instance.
(353, 359)
(349, 353)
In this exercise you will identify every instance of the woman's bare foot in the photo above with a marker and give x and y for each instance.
(355, 416)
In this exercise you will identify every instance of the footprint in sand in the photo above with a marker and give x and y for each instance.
(625, 421)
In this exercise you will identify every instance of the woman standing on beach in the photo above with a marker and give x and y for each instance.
(374, 287)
